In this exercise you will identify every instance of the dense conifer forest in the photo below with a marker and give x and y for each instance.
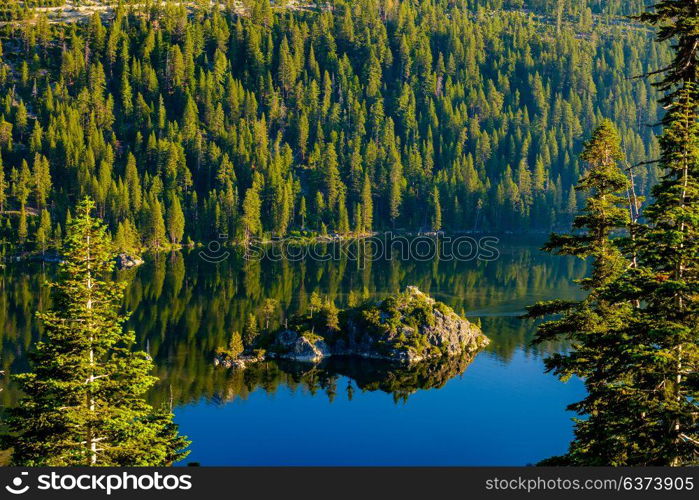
(185, 123)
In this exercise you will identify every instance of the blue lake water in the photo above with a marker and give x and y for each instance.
(496, 413)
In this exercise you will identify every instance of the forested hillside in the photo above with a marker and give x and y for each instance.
(187, 123)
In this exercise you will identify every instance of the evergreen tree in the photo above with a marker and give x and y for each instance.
(250, 331)
(303, 212)
(593, 324)
(436, 210)
(664, 330)
(84, 402)
(155, 224)
(315, 303)
(394, 187)
(268, 309)
(3, 186)
(175, 220)
(41, 180)
(367, 205)
(252, 225)
(235, 345)
(343, 226)
(23, 228)
(22, 184)
(358, 223)
(43, 232)
(330, 315)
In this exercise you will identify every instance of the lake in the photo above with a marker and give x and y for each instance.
(498, 408)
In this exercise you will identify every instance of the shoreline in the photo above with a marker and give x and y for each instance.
(53, 256)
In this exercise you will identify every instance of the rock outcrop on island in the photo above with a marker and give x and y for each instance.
(407, 327)
(126, 261)
(226, 360)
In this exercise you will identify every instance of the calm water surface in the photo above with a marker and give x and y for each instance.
(498, 408)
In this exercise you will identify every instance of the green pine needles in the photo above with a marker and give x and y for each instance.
(84, 401)
(591, 324)
(635, 337)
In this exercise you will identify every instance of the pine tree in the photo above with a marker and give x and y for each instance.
(21, 118)
(395, 187)
(303, 212)
(175, 220)
(593, 324)
(250, 330)
(571, 204)
(331, 176)
(343, 226)
(358, 223)
(84, 402)
(268, 309)
(330, 315)
(235, 345)
(252, 224)
(120, 238)
(22, 184)
(367, 205)
(315, 303)
(22, 227)
(126, 94)
(43, 232)
(3, 187)
(126, 239)
(319, 208)
(664, 330)
(302, 134)
(133, 183)
(41, 180)
(155, 224)
(35, 140)
(436, 210)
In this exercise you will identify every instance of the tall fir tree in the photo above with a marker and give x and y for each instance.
(252, 225)
(3, 186)
(250, 330)
(592, 325)
(155, 224)
(175, 220)
(43, 232)
(367, 205)
(84, 402)
(436, 210)
(664, 330)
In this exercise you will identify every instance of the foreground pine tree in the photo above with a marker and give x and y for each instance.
(636, 336)
(591, 325)
(663, 350)
(84, 401)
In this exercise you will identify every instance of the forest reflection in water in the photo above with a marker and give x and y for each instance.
(183, 308)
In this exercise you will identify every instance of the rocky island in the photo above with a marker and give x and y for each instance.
(407, 327)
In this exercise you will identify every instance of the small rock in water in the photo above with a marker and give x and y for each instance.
(126, 261)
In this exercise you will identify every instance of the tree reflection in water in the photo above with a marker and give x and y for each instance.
(399, 380)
